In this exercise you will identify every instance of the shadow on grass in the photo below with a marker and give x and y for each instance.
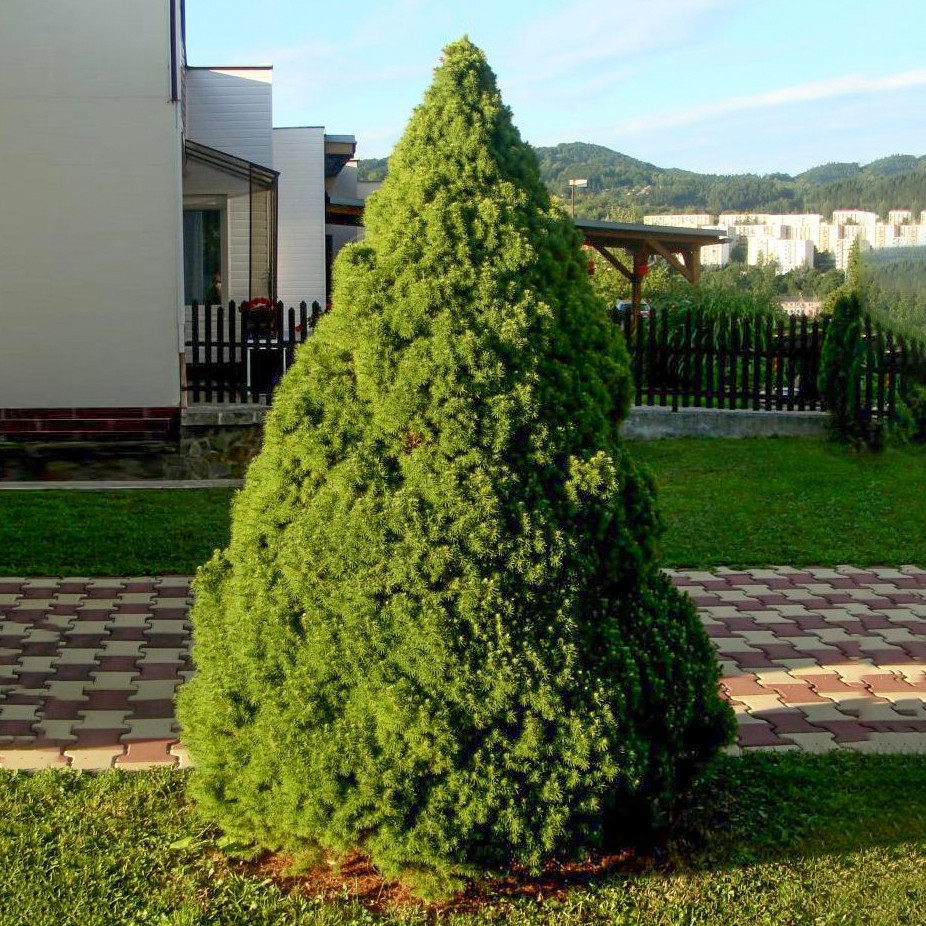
(746, 811)
(789, 805)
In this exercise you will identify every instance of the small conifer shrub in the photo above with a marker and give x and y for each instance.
(438, 632)
(841, 372)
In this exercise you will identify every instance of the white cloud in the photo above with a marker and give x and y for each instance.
(585, 33)
(847, 85)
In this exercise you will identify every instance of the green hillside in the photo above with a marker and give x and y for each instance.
(622, 188)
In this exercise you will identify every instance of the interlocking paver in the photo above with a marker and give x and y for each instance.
(147, 754)
(183, 756)
(812, 659)
(109, 681)
(56, 731)
(101, 720)
(150, 728)
(30, 759)
(123, 647)
(94, 758)
(156, 690)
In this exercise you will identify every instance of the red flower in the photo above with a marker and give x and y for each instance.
(256, 305)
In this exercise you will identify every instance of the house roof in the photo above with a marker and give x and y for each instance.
(256, 174)
(339, 149)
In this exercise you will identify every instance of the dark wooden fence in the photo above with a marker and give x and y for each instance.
(678, 359)
(238, 356)
(685, 359)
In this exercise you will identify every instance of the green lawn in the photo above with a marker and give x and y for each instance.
(774, 839)
(788, 502)
(154, 532)
(725, 502)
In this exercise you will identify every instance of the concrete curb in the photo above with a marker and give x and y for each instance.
(114, 485)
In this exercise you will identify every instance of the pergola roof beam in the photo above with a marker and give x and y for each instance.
(613, 261)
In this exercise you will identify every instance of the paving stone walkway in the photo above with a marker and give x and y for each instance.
(813, 659)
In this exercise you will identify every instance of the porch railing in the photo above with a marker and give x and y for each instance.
(239, 356)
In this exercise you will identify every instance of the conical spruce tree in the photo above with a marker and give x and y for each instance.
(438, 632)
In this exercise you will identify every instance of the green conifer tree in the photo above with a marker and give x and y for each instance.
(438, 632)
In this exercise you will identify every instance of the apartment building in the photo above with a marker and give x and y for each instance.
(681, 220)
(787, 253)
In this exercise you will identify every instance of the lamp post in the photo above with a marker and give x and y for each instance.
(572, 186)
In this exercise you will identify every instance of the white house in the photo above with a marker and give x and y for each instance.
(91, 156)
(131, 185)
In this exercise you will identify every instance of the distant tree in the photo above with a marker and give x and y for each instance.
(841, 374)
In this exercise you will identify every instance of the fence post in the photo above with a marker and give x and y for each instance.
(234, 356)
(194, 349)
(698, 365)
(745, 354)
(803, 365)
(291, 338)
(891, 366)
(303, 321)
(717, 325)
(651, 367)
(664, 364)
(220, 351)
(207, 344)
(688, 381)
(768, 356)
(756, 366)
(792, 337)
(779, 365)
(815, 349)
(882, 370)
(733, 354)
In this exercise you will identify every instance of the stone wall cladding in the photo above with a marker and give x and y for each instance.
(217, 441)
(216, 452)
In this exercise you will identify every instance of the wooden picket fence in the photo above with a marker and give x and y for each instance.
(687, 359)
(239, 356)
(678, 359)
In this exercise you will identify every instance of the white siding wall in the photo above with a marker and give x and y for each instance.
(91, 210)
(231, 110)
(239, 231)
(299, 155)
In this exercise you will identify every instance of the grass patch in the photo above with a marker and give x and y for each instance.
(788, 501)
(138, 532)
(770, 839)
(743, 503)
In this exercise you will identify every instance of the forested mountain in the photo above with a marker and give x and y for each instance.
(621, 188)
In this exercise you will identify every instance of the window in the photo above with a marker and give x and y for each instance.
(202, 255)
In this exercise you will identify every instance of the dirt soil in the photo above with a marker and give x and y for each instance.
(356, 880)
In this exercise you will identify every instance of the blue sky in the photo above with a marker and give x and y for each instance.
(720, 86)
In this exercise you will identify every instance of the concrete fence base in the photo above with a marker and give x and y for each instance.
(647, 422)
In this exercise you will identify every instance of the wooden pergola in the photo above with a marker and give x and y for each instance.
(679, 247)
